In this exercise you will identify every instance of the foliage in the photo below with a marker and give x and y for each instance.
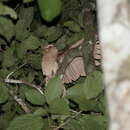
(23, 34)
(49, 9)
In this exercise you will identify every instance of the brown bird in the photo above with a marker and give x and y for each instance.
(49, 61)
(73, 71)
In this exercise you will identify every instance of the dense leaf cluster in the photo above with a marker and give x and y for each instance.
(23, 34)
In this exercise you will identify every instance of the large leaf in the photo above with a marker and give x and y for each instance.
(41, 31)
(34, 60)
(75, 93)
(49, 33)
(53, 89)
(26, 122)
(53, 33)
(59, 106)
(35, 97)
(102, 104)
(31, 42)
(23, 25)
(21, 30)
(20, 50)
(74, 27)
(3, 93)
(86, 123)
(89, 105)
(49, 9)
(93, 85)
(5, 10)
(6, 28)
(40, 112)
(27, 15)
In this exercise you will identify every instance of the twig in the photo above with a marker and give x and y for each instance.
(8, 80)
(24, 82)
(7, 77)
(64, 92)
(20, 102)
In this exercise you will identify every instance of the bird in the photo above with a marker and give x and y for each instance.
(49, 62)
(75, 69)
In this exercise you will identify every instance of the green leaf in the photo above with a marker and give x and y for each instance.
(47, 123)
(40, 112)
(35, 97)
(93, 86)
(76, 93)
(88, 121)
(89, 105)
(5, 10)
(34, 60)
(49, 9)
(41, 31)
(26, 122)
(27, 1)
(31, 76)
(59, 106)
(4, 72)
(75, 37)
(53, 89)
(7, 106)
(20, 50)
(53, 33)
(3, 93)
(21, 30)
(23, 25)
(3, 123)
(2, 42)
(8, 58)
(6, 28)
(31, 43)
(73, 125)
(49, 33)
(102, 104)
(27, 15)
(72, 26)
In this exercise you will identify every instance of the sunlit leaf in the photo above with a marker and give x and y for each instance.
(5, 10)
(53, 89)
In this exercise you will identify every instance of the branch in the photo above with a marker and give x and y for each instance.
(20, 102)
(8, 80)
(24, 82)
